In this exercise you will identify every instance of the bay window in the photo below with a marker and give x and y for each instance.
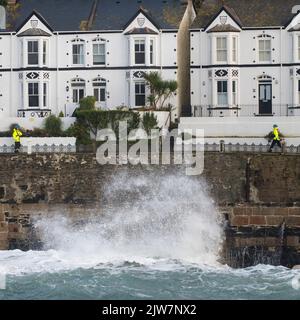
(33, 52)
(139, 48)
(33, 94)
(140, 94)
(222, 88)
(234, 49)
(221, 49)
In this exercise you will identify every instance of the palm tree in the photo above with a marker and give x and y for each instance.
(160, 90)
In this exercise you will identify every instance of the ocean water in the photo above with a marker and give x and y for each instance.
(154, 238)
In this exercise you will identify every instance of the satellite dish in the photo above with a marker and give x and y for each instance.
(2, 18)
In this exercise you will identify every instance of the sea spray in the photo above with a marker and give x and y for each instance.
(145, 219)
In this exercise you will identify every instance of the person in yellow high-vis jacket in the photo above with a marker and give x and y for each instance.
(17, 134)
(276, 138)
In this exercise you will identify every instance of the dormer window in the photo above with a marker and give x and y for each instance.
(33, 52)
(78, 52)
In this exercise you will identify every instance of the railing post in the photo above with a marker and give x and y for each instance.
(222, 146)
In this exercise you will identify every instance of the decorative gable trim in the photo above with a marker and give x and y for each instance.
(228, 11)
(39, 16)
(141, 10)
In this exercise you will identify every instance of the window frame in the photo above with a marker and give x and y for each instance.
(78, 85)
(33, 93)
(80, 55)
(141, 41)
(263, 50)
(222, 94)
(151, 52)
(33, 53)
(222, 49)
(98, 53)
(234, 92)
(234, 49)
(45, 52)
(99, 85)
(140, 94)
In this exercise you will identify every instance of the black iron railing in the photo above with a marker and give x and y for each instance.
(283, 110)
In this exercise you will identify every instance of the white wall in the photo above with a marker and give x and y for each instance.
(58, 72)
(283, 53)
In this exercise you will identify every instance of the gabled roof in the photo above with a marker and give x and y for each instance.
(251, 13)
(223, 28)
(117, 15)
(39, 16)
(141, 31)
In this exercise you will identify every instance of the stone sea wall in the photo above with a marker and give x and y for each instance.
(259, 195)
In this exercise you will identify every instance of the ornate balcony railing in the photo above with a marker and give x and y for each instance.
(283, 110)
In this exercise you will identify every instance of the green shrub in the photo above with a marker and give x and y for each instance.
(96, 120)
(149, 122)
(87, 103)
(61, 114)
(80, 132)
(37, 132)
(53, 126)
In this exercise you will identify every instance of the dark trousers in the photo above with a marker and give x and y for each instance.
(274, 142)
(17, 146)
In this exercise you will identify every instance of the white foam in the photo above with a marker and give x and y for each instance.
(157, 222)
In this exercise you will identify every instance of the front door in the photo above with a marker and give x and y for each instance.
(265, 98)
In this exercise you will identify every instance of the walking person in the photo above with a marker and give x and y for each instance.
(276, 138)
(17, 134)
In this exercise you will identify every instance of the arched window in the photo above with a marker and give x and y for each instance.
(77, 51)
(99, 51)
(99, 86)
(78, 89)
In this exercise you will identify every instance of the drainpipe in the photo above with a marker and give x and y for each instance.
(160, 40)
(280, 85)
(11, 75)
(57, 71)
(201, 69)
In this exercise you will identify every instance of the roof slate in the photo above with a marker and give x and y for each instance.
(62, 15)
(67, 15)
(251, 13)
(114, 15)
(223, 28)
(34, 32)
(141, 31)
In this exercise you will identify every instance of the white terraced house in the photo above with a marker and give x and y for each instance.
(245, 68)
(53, 53)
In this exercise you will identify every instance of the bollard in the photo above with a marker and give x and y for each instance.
(29, 146)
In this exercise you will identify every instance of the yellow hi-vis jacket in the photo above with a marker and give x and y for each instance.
(17, 134)
(276, 134)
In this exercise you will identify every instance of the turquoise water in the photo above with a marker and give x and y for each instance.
(158, 280)
(154, 238)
